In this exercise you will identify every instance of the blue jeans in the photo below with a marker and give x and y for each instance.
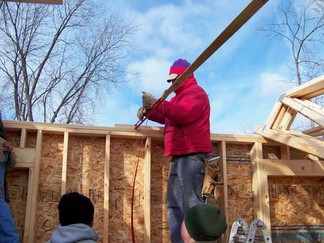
(186, 176)
(8, 230)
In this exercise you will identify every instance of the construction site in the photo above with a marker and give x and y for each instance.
(271, 186)
(275, 176)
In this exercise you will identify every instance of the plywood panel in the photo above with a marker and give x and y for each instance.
(18, 187)
(49, 191)
(125, 154)
(160, 169)
(297, 208)
(240, 198)
(85, 173)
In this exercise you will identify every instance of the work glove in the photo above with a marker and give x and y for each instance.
(148, 99)
(141, 113)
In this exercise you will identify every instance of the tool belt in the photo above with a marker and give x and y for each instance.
(211, 179)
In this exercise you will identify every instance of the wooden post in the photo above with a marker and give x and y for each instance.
(224, 203)
(106, 190)
(64, 163)
(147, 191)
(34, 186)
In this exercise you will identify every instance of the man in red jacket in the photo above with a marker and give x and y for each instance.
(186, 139)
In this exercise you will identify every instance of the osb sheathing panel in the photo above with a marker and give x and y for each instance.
(125, 155)
(18, 187)
(14, 138)
(239, 179)
(159, 179)
(85, 173)
(296, 200)
(49, 187)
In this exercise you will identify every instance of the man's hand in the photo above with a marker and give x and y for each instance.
(148, 99)
(141, 113)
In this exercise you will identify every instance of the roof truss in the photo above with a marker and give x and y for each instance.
(297, 101)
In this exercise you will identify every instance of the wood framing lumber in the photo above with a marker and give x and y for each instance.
(147, 191)
(25, 157)
(259, 186)
(316, 131)
(276, 115)
(36, 1)
(29, 205)
(287, 119)
(296, 140)
(308, 90)
(224, 202)
(64, 163)
(35, 183)
(125, 131)
(293, 167)
(230, 30)
(23, 137)
(106, 189)
(314, 113)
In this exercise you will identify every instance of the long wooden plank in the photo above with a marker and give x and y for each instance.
(293, 167)
(287, 119)
(147, 191)
(23, 137)
(258, 184)
(305, 109)
(35, 184)
(123, 131)
(64, 162)
(316, 131)
(29, 204)
(230, 30)
(308, 90)
(299, 141)
(224, 203)
(276, 115)
(106, 190)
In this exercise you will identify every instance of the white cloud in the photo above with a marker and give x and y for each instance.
(152, 77)
(272, 84)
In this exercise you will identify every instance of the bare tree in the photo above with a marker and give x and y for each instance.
(302, 26)
(58, 62)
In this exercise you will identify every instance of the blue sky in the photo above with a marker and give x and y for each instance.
(242, 79)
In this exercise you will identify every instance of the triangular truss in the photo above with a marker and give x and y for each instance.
(298, 100)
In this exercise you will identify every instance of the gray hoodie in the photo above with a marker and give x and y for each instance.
(80, 233)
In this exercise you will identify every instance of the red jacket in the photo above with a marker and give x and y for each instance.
(186, 119)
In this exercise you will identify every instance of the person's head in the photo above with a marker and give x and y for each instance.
(75, 208)
(177, 68)
(203, 222)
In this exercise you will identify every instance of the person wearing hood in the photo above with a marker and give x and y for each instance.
(186, 119)
(76, 220)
